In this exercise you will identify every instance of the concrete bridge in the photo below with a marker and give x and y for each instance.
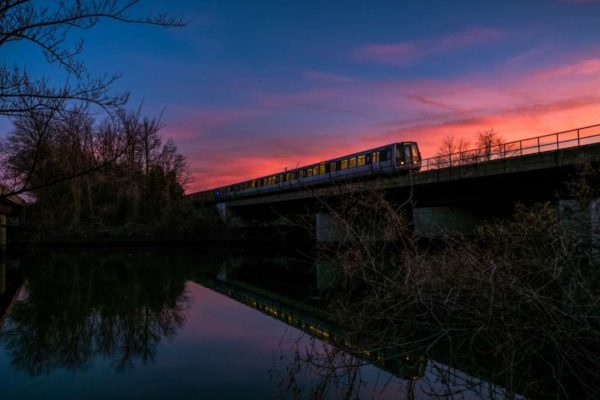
(455, 192)
(10, 205)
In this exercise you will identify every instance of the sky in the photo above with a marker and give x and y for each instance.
(250, 87)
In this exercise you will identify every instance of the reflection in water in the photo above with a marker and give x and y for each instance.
(322, 361)
(79, 307)
(75, 309)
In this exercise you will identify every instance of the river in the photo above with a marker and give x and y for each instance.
(210, 323)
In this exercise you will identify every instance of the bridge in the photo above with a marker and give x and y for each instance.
(453, 192)
(10, 205)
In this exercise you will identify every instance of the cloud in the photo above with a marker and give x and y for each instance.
(409, 52)
(585, 67)
(274, 131)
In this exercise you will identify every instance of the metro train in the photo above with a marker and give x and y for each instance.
(390, 159)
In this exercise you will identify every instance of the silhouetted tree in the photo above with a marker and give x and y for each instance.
(111, 172)
(452, 151)
(49, 26)
(489, 143)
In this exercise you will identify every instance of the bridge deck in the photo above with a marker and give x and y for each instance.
(546, 160)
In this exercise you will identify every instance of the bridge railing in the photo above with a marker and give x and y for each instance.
(539, 144)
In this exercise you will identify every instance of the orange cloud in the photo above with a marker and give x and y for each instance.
(280, 131)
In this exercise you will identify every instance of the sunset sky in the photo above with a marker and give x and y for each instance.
(250, 87)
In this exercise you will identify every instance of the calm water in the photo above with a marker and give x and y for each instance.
(158, 324)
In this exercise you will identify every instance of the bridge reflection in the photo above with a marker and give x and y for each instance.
(314, 322)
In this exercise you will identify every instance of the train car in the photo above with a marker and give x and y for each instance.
(390, 159)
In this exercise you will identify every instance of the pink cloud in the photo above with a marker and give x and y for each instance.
(585, 67)
(287, 130)
(408, 52)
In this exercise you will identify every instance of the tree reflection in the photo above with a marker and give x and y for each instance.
(79, 307)
(309, 368)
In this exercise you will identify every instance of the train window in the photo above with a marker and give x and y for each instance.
(344, 164)
(309, 172)
(332, 167)
(385, 155)
(415, 152)
(361, 160)
(322, 168)
(315, 170)
(352, 162)
(375, 157)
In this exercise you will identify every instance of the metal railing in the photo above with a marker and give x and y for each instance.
(551, 142)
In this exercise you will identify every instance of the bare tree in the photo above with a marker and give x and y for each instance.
(49, 25)
(452, 151)
(490, 143)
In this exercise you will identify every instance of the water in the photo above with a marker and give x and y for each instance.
(161, 323)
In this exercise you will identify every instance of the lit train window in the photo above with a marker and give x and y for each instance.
(361, 160)
(322, 168)
(375, 157)
(309, 172)
(352, 162)
(316, 170)
(344, 164)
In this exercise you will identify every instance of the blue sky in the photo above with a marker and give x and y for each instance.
(251, 87)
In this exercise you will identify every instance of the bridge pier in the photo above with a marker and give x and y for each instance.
(330, 229)
(2, 233)
(2, 275)
(435, 221)
(575, 220)
(224, 212)
(583, 224)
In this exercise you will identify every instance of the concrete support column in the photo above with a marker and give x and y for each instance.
(2, 275)
(595, 231)
(575, 220)
(2, 233)
(224, 212)
(330, 229)
(436, 221)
